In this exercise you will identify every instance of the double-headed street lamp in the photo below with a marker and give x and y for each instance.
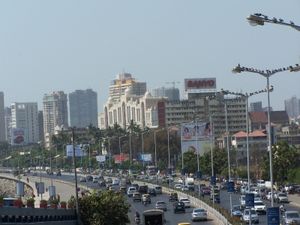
(260, 19)
(267, 74)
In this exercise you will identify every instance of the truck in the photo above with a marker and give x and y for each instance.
(189, 182)
(154, 217)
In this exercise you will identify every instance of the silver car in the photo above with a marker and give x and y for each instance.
(161, 205)
(291, 217)
(199, 214)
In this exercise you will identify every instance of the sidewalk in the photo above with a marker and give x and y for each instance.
(294, 200)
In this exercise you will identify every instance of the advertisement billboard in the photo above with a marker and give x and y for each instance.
(121, 158)
(78, 151)
(200, 83)
(17, 136)
(145, 157)
(195, 137)
(100, 158)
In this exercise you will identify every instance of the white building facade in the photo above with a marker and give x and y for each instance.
(25, 116)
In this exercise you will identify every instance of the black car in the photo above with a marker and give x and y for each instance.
(179, 207)
(151, 192)
(173, 197)
(143, 189)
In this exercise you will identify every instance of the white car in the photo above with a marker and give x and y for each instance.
(250, 213)
(178, 186)
(185, 188)
(199, 214)
(130, 191)
(186, 201)
(260, 207)
(282, 197)
(243, 200)
(291, 217)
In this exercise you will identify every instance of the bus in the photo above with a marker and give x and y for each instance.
(154, 217)
(151, 170)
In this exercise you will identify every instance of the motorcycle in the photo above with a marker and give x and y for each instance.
(137, 220)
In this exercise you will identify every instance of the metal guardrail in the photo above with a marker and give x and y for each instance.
(12, 215)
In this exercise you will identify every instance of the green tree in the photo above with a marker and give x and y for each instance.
(284, 158)
(104, 208)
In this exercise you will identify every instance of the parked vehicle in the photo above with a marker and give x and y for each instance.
(199, 214)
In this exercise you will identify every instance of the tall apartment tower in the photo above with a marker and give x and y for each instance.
(292, 107)
(2, 120)
(41, 126)
(25, 116)
(83, 108)
(7, 115)
(55, 112)
(171, 93)
(256, 107)
(124, 81)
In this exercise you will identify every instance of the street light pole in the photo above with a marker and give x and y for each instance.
(75, 173)
(155, 153)
(260, 19)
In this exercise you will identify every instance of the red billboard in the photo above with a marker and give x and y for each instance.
(200, 83)
(121, 158)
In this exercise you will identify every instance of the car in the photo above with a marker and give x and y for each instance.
(185, 188)
(291, 217)
(282, 198)
(130, 191)
(173, 197)
(260, 207)
(82, 179)
(146, 199)
(205, 190)
(161, 205)
(158, 189)
(186, 201)
(179, 207)
(250, 213)
(89, 178)
(136, 196)
(143, 189)
(122, 189)
(236, 211)
(243, 200)
(151, 192)
(58, 173)
(96, 179)
(178, 186)
(199, 214)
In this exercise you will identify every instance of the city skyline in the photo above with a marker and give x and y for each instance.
(46, 48)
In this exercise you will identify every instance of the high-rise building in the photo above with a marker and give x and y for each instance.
(7, 115)
(171, 93)
(83, 108)
(55, 112)
(256, 107)
(41, 126)
(25, 116)
(2, 120)
(124, 81)
(292, 107)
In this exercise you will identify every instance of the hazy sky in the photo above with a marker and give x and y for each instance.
(47, 46)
